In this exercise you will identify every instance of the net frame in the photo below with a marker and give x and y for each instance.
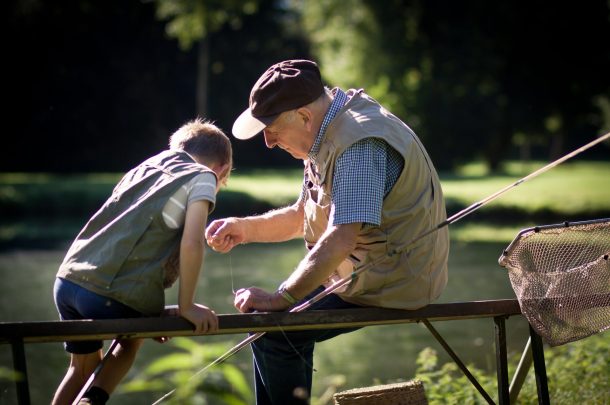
(560, 274)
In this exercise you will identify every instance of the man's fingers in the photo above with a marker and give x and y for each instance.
(240, 305)
(212, 229)
(221, 245)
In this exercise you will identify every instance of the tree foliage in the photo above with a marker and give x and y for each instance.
(99, 86)
(192, 20)
(473, 78)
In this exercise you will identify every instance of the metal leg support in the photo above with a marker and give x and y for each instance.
(501, 361)
(539, 368)
(458, 361)
(19, 365)
(521, 373)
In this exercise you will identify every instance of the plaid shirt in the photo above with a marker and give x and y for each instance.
(364, 174)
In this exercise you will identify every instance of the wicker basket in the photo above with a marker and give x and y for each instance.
(405, 393)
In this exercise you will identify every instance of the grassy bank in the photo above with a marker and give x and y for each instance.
(578, 188)
(42, 207)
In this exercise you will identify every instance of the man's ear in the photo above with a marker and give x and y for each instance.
(305, 116)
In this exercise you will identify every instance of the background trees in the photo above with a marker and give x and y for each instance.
(98, 86)
(474, 78)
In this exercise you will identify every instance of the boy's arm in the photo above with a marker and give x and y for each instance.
(191, 262)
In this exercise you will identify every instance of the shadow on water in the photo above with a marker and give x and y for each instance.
(369, 355)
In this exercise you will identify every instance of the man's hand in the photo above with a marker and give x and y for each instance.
(204, 319)
(254, 299)
(223, 235)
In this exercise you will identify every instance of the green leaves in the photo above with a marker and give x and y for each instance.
(191, 20)
(577, 372)
(182, 371)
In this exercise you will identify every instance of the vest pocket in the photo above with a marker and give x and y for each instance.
(316, 219)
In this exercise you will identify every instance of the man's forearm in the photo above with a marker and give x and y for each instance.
(334, 247)
(275, 226)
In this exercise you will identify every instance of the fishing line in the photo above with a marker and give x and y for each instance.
(231, 272)
(219, 360)
(454, 218)
(303, 359)
(233, 351)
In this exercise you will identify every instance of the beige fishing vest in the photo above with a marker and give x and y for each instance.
(415, 204)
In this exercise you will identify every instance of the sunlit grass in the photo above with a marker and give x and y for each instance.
(483, 232)
(571, 188)
(278, 187)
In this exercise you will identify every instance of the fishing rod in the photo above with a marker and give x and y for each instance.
(96, 371)
(346, 280)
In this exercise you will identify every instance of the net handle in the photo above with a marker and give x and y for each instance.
(566, 224)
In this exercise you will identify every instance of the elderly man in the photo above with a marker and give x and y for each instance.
(369, 188)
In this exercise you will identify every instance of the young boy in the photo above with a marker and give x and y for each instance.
(121, 261)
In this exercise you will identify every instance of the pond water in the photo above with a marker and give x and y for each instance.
(368, 356)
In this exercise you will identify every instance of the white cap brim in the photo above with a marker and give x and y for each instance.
(246, 126)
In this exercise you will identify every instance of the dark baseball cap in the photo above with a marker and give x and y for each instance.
(284, 86)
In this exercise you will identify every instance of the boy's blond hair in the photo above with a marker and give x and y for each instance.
(203, 139)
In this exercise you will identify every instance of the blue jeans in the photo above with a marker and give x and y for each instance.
(283, 361)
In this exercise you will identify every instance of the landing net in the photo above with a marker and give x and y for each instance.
(561, 277)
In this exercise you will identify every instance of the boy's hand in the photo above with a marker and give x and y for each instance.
(204, 319)
(223, 235)
(170, 310)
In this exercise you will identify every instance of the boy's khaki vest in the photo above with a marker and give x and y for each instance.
(121, 250)
(415, 204)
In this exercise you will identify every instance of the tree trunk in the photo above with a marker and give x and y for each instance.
(497, 148)
(556, 147)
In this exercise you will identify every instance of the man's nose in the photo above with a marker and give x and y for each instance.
(270, 139)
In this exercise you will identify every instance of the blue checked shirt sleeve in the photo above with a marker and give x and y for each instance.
(359, 183)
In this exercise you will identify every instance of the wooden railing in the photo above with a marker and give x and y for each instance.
(18, 333)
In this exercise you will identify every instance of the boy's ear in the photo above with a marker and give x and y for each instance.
(221, 170)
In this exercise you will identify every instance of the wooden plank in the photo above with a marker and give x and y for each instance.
(55, 331)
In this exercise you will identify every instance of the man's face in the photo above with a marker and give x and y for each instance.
(294, 137)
